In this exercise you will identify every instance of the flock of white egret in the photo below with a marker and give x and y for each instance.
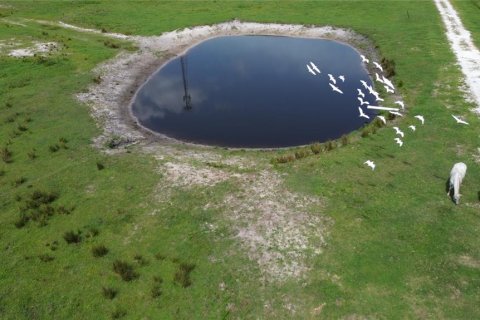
(389, 88)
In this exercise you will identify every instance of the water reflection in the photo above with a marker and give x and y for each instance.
(255, 91)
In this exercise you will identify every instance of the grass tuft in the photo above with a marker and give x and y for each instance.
(124, 270)
(182, 275)
(72, 237)
(99, 251)
(109, 293)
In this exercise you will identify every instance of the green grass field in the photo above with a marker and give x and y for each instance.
(396, 247)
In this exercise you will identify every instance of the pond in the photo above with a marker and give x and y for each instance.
(255, 92)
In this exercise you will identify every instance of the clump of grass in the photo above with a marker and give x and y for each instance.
(160, 256)
(64, 210)
(22, 127)
(109, 293)
(119, 313)
(6, 155)
(92, 232)
(2, 173)
(9, 119)
(316, 148)
(54, 147)
(300, 154)
(19, 181)
(46, 257)
(330, 145)
(72, 237)
(8, 105)
(63, 143)
(344, 140)
(100, 165)
(182, 275)
(99, 251)
(140, 259)
(157, 279)
(366, 132)
(285, 159)
(114, 142)
(111, 44)
(156, 291)
(32, 155)
(388, 67)
(21, 220)
(97, 79)
(391, 116)
(53, 246)
(124, 270)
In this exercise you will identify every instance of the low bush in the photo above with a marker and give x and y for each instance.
(388, 67)
(124, 270)
(330, 145)
(344, 140)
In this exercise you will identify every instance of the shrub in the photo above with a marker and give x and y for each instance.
(99, 251)
(54, 147)
(100, 165)
(109, 293)
(46, 257)
(365, 132)
(391, 116)
(345, 140)
(301, 154)
(6, 155)
(316, 148)
(72, 237)
(124, 270)
(40, 197)
(182, 275)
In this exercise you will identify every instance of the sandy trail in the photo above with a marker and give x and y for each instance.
(468, 55)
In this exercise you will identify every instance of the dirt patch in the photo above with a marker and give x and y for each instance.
(469, 262)
(38, 48)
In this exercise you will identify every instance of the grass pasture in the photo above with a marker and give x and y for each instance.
(90, 235)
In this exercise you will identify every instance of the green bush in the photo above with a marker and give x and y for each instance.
(72, 237)
(316, 148)
(300, 154)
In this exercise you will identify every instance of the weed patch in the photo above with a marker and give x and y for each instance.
(72, 237)
(182, 275)
(99, 251)
(125, 270)
(109, 293)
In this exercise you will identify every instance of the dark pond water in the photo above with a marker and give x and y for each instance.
(255, 91)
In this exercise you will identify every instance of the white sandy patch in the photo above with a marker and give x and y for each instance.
(185, 175)
(15, 23)
(36, 48)
(468, 56)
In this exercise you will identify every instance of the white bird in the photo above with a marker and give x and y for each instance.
(383, 119)
(315, 67)
(364, 84)
(396, 113)
(370, 90)
(362, 102)
(364, 59)
(421, 118)
(412, 127)
(388, 89)
(310, 70)
(400, 103)
(332, 78)
(378, 66)
(399, 141)
(399, 132)
(377, 77)
(388, 82)
(459, 120)
(370, 163)
(377, 96)
(362, 114)
(342, 77)
(360, 93)
(334, 88)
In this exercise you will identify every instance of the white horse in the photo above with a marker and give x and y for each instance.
(456, 176)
